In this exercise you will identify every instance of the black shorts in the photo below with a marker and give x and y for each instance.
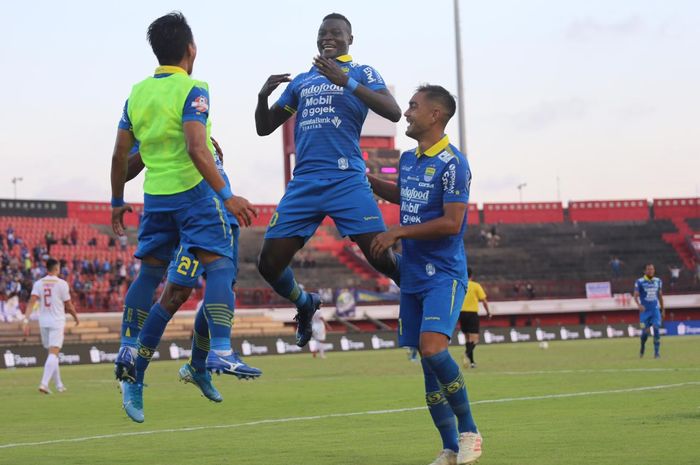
(469, 322)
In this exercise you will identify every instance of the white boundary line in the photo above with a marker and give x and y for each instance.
(338, 415)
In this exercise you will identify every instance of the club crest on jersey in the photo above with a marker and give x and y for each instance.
(201, 104)
(429, 173)
(343, 163)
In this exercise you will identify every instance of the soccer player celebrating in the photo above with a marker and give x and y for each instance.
(650, 301)
(176, 292)
(330, 101)
(469, 317)
(184, 197)
(53, 295)
(433, 191)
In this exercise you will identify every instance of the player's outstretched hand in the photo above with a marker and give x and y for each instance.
(272, 83)
(217, 147)
(330, 69)
(382, 242)
(244, 210)
(118, 218)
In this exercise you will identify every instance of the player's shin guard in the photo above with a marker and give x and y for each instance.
(440, 410)
(287, 287)
(200, 342)
(218, 302)
(452, 383)
(149, 338)
(138, 300)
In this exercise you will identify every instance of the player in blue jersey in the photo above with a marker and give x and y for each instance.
(433, 191)
(330, 102)
(184, 194)
(177, 290)
(650, 300)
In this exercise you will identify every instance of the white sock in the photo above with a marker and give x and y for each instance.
(57, 375)
(49, 368)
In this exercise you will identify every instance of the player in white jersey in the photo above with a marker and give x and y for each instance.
(318, 335)
(53, 295)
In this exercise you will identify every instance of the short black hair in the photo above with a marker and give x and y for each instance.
(442, 96)
(51, 264)
(469, 272)
(169, 36)
(340, 17)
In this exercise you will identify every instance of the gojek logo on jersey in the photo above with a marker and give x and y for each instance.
(413, 194)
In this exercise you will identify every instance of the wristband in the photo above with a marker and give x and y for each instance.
(117, 202)
(352, 84)
(225, 193)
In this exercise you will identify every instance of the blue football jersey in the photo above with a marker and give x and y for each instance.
(329, 120)
(649, 290)
(427, 181)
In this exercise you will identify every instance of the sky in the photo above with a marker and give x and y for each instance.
(578, 100)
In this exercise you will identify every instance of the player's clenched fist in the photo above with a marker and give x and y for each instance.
(272, 83)
(242, 208)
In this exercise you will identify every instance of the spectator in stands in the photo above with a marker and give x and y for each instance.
(92, 242)
(675, 272)
(10, 236)
(112, 242)
(123, 240)
(74, 236)
(50, 240)
(530, 291)
(65, 240)
(616, 267)
(516, 289)
(2, 242)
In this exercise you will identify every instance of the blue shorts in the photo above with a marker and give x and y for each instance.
(434, 310)
(349, 201)
(184, 269)
(649, 319)
(194, 219)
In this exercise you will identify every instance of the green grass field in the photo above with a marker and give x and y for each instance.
(584, 402)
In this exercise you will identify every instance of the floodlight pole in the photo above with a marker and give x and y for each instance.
(460, 90)
(15, 180)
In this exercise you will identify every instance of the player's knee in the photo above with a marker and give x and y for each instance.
(384, 263)
(174, 296)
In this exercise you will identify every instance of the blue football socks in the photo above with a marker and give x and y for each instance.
(200, 342)
(138, 301)
(219, 302)
(440, 410)
(149, 338)
(452, 385)
(287, 287)
(643, 339)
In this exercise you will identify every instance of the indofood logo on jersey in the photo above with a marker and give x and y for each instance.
(413, 194)
(320, 89)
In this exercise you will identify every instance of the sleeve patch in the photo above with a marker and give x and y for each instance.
(201, 104)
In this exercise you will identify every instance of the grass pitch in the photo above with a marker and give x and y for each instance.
(579, 402)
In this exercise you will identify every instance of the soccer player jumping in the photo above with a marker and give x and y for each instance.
(433, 191)
(650, 300)
(185, 196)
(330, 102)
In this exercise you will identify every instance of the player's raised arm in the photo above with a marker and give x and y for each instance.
(195, 138)
(379, 101)
(267, 119)
(387, 190)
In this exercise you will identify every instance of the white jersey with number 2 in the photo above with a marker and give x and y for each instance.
(52, 293)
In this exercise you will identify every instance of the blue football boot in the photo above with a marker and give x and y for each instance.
(303, 318)
(132, 400)
(201, 380)
(125, 364)
(231, 365)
